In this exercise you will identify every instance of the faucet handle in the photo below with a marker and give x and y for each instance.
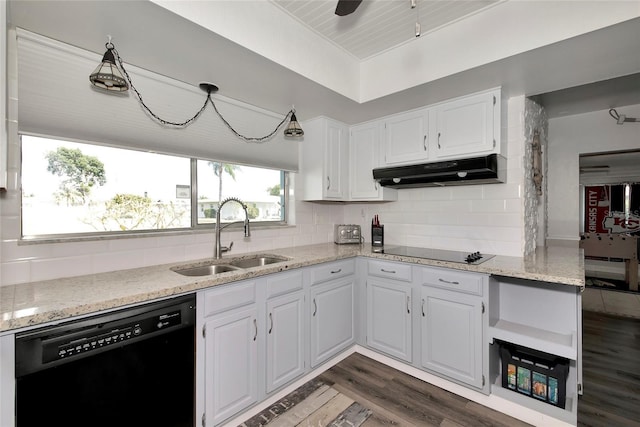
(226, 248)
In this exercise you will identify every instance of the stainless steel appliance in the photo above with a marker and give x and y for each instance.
(347, 233)
(474, 258)
(132, 367)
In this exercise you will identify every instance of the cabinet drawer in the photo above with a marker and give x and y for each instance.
(229, 297)
(333, 270)
(283, 283)
(454, 280)
(390, 270)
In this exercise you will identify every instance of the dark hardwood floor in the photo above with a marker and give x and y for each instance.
(611, 371)
(398, 399)
(611, 380)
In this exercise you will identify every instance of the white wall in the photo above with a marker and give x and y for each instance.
(570, 136)
(485, 218)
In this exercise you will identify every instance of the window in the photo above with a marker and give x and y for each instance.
(262, 190)
(71, 188)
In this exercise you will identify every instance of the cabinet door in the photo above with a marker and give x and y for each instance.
(389, 318)
(452, 335)
(335, 162)
(363, 158)
(285, 350)
(465, 127)
(332, 328)
(231, 356)
(406, 138)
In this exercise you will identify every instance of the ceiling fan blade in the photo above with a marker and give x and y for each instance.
(346, 7)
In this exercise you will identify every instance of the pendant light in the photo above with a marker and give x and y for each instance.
(293, 129)
(108, 76)
(112, 76)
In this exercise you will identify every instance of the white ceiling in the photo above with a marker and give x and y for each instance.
(377, 26)
(253, 59)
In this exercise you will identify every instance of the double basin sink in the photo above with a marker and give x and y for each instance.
(230, 264)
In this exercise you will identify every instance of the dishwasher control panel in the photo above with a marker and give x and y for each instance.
(82, 338)
(56, 349)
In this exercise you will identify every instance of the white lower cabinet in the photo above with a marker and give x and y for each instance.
(389, 318)
(452, 335)
(332, 326)
(231, 368)
(453, 324)
(285, 339)
(254, 343)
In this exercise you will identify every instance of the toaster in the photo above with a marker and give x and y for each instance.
(346, 233)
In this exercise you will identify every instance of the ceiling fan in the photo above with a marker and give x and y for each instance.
(347, 7)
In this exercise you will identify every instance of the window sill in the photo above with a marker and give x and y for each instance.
(142, 234)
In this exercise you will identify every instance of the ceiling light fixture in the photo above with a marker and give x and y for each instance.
(621, 118)
(414, 5)
(109, 76)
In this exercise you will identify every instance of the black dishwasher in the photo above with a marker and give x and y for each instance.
(131, 367)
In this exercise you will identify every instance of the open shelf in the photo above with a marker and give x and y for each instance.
(568, 415)
(564, 345)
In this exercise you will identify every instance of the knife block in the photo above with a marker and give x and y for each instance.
(377, 235)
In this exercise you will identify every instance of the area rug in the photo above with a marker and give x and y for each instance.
(312, 404)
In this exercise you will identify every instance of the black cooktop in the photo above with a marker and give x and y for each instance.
(473, 258)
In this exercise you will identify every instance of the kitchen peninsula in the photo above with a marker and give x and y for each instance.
(511, 294)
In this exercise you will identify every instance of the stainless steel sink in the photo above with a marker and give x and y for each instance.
(230, 264)
(258, 261)
(205, 270)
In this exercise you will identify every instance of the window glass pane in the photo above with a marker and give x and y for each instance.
(261, 190)
(82, 188)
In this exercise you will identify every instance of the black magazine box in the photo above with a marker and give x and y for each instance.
(539, 375)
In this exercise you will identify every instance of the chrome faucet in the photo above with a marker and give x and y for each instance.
(218, 249)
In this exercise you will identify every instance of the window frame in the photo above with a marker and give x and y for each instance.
(195, 226)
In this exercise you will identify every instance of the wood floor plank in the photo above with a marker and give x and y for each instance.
(381, 417)
(327, 412)
(303, 409)
(496, 417)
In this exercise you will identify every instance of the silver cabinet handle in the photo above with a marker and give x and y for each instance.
(422, 307)
(315, 307)
(450, 283)
(424, 143)
(408, 305)
(388, 271)
(255, 325)
(328, 182)
(336, 271)
(439, 140)
(271, 322)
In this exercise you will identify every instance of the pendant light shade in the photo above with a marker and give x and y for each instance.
(293, 129)
(108, 76)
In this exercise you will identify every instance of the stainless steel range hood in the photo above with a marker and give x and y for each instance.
(477, 170)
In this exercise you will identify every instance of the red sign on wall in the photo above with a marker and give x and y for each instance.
(597, 207)
(612, 209)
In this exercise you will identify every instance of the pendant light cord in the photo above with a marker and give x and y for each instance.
(197, 114)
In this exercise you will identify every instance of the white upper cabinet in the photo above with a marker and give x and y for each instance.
(325, 154)
(364, 156)
(467, 126)
(406, 138)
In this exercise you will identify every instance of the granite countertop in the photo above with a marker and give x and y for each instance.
(31, 304)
